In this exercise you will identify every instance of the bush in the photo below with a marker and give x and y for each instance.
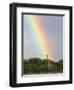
(37, 65)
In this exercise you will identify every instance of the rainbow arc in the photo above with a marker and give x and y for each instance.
(40, 36)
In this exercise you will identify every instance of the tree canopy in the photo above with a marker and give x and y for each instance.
(37, 65)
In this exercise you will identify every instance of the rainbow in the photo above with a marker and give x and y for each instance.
(40, 36)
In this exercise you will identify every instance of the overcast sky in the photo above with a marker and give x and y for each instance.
(52, 27)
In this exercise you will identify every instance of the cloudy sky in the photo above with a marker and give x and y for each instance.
(43, 35)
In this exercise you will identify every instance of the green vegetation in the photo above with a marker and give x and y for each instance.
(39, 66)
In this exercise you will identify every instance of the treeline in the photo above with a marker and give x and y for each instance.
(37, 65)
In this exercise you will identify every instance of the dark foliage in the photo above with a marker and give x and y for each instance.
(37, 65)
